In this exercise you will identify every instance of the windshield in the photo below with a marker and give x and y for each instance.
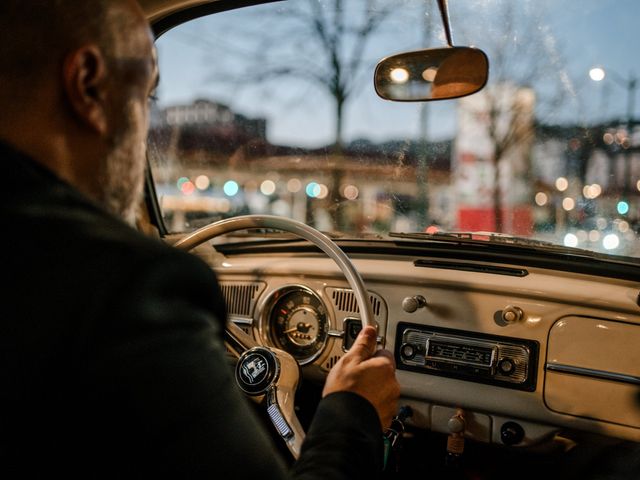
(271, 109)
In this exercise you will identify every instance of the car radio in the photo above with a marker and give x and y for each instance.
(496, 360)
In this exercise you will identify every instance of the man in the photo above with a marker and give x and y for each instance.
(112, 359)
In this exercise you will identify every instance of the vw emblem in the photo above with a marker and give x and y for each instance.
(254, 369)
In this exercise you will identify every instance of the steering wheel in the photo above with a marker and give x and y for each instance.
(265, 372)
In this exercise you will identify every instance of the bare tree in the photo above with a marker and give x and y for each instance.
(322, 44)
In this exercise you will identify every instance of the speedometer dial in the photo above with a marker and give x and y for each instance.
(298, 323)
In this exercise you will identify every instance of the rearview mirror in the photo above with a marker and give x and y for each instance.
(433, 74)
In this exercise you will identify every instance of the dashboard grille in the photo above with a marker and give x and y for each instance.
(241, 297)
(345, 300)
(332, 361)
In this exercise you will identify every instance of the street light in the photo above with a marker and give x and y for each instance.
(598, 74)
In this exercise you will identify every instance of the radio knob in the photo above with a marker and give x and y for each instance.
(408, 351)
(512, 314)
(506, 366)
(411, 304)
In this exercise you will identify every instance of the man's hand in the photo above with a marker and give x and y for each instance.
(369, 373)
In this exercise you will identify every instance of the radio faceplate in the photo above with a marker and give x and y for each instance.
(496, 360)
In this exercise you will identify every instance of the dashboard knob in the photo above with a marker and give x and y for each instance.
(512, 314)
(411, 304)
(408, 351)
(456, 424)
(506, 366)
(511, 433)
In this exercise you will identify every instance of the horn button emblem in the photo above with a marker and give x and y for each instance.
(257, 370)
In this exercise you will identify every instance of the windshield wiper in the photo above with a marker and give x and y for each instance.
(279, 234)
(268, 235)
(482, 238)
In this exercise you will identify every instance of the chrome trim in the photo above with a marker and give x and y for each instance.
(241, 320)
(593, 373)
(276, 416)
(335, 333)
(237, 340)
(264, 326)
(462, 342)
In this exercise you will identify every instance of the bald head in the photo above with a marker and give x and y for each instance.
(75, 77)
(35, 35)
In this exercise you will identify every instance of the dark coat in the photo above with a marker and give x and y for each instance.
(112, 362)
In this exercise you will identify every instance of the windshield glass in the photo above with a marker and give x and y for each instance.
(272, 109)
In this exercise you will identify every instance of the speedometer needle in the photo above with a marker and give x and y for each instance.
(301, 327)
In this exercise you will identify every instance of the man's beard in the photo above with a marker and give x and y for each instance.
(123, 172)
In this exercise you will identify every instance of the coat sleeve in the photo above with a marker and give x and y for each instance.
(157, 360)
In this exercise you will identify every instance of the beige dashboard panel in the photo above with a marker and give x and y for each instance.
(593, 370)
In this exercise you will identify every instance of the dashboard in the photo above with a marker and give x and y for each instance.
(526, 354)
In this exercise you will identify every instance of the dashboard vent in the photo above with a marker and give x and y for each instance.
(332, 361)
(241, 297)
(345, 300)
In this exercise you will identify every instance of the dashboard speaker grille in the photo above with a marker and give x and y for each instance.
(345, 300)
(332, 361)
(241, 297)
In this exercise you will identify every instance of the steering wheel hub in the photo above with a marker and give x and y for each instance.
(257, 370)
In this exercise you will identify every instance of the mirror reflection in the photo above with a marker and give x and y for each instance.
(433, 74)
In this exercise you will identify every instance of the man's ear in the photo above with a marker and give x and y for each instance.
(85, 75)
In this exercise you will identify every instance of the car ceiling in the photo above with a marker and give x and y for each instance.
(155, 9)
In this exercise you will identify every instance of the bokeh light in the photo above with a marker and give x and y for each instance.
(294, 185)
(324, 191)
(568, 204)
(350, 192)
(597, 74)
(562, 184)
(268, 187)
(622, 207)
(399, 75)
(312, 190)
(187, 188)
(203, 182)
(570, 240)
(230, 188)
(610, 241)
(541, 199)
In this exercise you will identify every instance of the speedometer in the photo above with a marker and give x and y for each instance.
(298, 323)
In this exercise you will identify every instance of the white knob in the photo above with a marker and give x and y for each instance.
(411, 304)
(456, 424)
(512, 314)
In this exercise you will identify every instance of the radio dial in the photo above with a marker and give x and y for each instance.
(408, 351)
(506, 366)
